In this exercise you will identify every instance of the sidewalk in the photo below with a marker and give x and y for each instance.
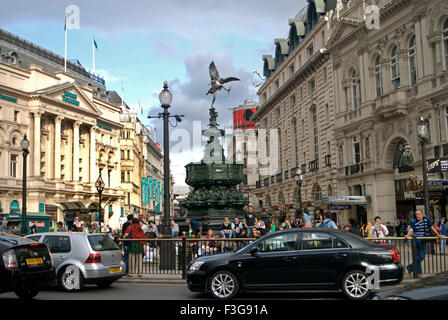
(154, 278)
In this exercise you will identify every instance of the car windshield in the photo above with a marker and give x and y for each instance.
(102, 243)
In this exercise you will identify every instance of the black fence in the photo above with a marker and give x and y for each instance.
(173, 256)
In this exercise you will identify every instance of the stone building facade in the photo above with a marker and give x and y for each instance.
(296, 117)
(385, 80)
(377, 85)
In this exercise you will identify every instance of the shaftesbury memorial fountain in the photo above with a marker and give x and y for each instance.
(213, 181)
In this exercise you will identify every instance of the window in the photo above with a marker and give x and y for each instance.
(129, 154)
(354, 91)
(16, 116)
(129, 176)
(292, 101)
(296, 142)
(324, 74)
(102, 243)
(57, 244)
(122, 176)
(356, 151)
(445, 43)
(311, 86)
(395, 68)
(413, 60)
(283, 242)
(310, 51)
(13, 166)
(378, 79)
(318, 240)
(122, 154)
(315, 133)
(291, 70)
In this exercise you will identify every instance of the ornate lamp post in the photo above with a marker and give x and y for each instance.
(99, 184)
(299, 180)
(165, 98)
(167, 255)
(423, 133)
(25, 144)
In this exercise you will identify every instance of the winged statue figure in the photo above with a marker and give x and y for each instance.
(216, 82)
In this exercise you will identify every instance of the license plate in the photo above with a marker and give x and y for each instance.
(34, 261)
(114, 270)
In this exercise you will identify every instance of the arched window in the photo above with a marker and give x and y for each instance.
(412, 52)
(395, 68)
(403, 157)
(445, 43)
(378, 77)
(354, 84)
(14, 206)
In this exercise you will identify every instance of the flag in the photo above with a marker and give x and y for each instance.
(65, 23)
(95, 44)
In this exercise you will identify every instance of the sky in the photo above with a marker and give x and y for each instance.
(145, 42)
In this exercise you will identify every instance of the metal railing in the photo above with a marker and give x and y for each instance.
(424, 252)
(173, 256)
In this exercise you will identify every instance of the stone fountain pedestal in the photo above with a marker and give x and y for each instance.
(214, 195)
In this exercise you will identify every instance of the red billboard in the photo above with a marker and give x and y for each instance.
(242, 119)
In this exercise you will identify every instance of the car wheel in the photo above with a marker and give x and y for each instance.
(104, 284)
(26, 293)
(223, 285)
(71, 279)
(355, 285)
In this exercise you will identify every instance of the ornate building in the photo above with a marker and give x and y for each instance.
(73, 127)
(346, 99)
(385, 80)
(296, 115)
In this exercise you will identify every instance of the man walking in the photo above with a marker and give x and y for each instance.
(420, 227)
(123, 231)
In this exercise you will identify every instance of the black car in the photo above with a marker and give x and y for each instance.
(431, 288)
(25, 266)
(298, 259)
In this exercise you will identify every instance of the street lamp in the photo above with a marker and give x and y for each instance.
(165, 98)
(299, 180)
(99, 184)
(25, 144)
(167, 254)
(423, 133)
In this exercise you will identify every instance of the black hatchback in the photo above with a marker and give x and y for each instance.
(297, 260)
(25, 266)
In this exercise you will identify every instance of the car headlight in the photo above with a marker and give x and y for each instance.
(196, 265)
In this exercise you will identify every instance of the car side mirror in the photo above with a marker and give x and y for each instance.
(254, 251)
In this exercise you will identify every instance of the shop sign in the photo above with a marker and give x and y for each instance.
(409, 195)
(437, 165)
(38, 224)
(340, 207)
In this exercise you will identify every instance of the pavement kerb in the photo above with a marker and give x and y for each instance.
(177, 281)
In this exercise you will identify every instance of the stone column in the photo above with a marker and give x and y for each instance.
(92, 155)
(36, 143)
(57, 147)
(76, 150)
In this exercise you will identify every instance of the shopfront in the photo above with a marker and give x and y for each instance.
(40, 220)
(345, 208)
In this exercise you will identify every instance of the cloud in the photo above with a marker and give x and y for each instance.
(189, 99)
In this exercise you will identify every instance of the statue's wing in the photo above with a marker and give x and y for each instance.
(225, 80)
(214, 75)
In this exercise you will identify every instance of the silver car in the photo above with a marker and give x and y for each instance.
(82, 258)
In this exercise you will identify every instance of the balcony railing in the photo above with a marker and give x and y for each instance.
(313, 165)
(354, 169)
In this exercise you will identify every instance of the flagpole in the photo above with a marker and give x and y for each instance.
(93, 53)
(65, 55)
